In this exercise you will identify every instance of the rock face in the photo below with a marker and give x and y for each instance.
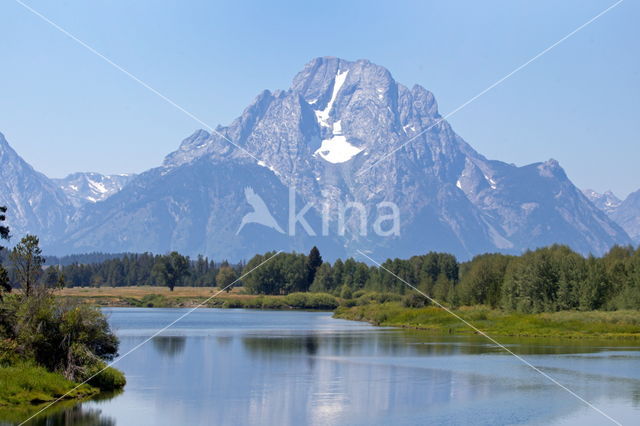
(607, 202)
(625, 213)
(628, 216)
(35, 204)
(345, 144)
(88, 187)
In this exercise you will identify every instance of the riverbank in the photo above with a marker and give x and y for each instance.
(25, 387)
(566, 324)
(188, 297)
(49, 348)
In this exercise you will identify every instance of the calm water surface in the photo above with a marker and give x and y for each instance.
(234, 367)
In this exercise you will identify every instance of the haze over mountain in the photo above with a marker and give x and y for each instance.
(90, 187)
(607, 201)
(625, 213)
(344, 132)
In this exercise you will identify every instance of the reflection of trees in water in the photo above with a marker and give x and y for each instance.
(76, 416)
(635, 396)
(224, 340)
(266, 345)
(407, 343)
(169, 345)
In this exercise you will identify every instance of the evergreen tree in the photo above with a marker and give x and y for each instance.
(27, 261)
(314, 260)
(323, 281)
(5, 284)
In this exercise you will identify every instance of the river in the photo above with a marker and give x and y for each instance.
(235, 367)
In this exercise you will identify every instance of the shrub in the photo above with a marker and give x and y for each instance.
(233, 304)
(346, 292)
(8, 353)
(374, 297)
(358, 293)
(348, 303)
(154, 301)
(273, 303)
(296, 300)
(61, 335)
(108, 379)
(322, 301)
(311, 301)
(414, 300)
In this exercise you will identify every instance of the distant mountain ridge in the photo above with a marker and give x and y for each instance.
(90, 187)
(35, 203)
(338, 135)
(625, 213)
(607, 201)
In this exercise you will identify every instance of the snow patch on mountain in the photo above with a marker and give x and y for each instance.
(88, 187)
(323, 115)
(625, 213)
(337, 149)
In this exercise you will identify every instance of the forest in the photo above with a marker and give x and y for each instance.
(548, 279)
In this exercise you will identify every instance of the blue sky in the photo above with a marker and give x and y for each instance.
(64, 109)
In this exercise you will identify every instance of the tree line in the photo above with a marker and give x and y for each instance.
(543, 280)
(132, 269)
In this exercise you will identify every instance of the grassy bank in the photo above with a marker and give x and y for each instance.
(568, 324)
(47, 347)
(184, 297)
(24, 384)
(380, 309)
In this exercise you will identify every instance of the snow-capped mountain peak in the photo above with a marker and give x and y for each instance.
(90, 187)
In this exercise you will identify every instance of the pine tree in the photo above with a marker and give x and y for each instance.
(5, 285)
(27, 261)
(314, 260)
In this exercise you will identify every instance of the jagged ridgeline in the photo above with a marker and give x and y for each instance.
(344, 132)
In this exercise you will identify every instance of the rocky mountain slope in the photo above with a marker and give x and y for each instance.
(625, 213)
(607, 201)
(35, 204)
(339, 135)
(346, 158)
(89, 187)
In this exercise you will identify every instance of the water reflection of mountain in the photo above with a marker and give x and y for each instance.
(169, 346)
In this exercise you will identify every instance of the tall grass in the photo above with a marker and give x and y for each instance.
(25, 383)
(566, 324)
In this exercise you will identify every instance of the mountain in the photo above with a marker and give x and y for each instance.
(628, 216)
(607, 202)
(35, 204)
(625, 213)
(88, 187)
(349, 146)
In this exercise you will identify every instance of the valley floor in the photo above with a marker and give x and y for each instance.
(187, 297)
(566, 324)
